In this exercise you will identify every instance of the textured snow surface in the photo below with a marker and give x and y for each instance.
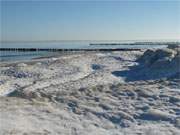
(81, 94)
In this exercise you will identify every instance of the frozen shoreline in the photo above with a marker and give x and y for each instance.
(65, 69)
(80, 94)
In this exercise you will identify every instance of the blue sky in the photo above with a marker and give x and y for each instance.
(90, 20)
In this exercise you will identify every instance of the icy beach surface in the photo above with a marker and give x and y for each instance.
(112, 93)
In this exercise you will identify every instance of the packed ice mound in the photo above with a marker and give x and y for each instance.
(161, 63)
(154, 64)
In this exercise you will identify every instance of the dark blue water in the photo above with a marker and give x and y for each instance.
(12, 55)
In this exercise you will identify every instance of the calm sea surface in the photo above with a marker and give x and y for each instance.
(12, 55)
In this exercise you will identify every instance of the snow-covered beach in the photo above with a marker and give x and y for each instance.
(103, 93)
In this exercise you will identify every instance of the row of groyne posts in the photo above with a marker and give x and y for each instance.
(64, 50)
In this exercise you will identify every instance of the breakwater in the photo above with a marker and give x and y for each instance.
(136, 43)
(65, 50)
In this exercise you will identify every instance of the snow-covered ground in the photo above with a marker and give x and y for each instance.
(88, 93)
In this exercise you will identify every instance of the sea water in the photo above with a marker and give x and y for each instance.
(17, 55)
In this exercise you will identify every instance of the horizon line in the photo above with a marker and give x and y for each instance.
(76, 40)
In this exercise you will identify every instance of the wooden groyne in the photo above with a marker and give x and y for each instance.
(135, 43)
(65, 50)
